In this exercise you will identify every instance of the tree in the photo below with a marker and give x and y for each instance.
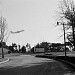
(3, 26)
(45, 45)
(19, 48)
(68, 15)
(28, 47)
(23, 49)
(11, 48)
(37, 45)
(32, 50)
(14, 45)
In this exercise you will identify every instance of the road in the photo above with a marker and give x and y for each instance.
(30, 65)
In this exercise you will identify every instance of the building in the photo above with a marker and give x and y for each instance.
(39, 50)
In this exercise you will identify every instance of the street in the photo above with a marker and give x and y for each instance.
(30, 65)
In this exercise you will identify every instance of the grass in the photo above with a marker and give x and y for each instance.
(3, 59)
(5, 51)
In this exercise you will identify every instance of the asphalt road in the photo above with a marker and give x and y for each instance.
(30, 65)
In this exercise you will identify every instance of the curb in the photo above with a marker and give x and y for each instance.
(63, 61)
(4, 61)
(68, 63)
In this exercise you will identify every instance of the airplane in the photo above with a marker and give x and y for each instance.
(16, 31)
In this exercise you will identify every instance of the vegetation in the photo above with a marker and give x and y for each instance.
(23, 49)
(51, 47)
(67, 17)
(3, 33)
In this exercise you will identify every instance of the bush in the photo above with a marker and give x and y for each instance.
(9, 52)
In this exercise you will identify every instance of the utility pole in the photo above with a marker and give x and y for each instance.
(64, 39)
(64, 36)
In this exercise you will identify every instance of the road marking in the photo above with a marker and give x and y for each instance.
(4, 61)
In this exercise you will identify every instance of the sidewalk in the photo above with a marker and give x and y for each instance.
(3, 60)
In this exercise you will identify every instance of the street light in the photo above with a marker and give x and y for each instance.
(64, 35)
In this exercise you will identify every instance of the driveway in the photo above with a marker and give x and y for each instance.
(30, 65)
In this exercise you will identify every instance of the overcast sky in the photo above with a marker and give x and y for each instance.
(36, 17)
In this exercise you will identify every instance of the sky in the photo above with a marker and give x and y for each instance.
(37, 17)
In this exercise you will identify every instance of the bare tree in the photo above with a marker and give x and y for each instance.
(3, 27)
(67, 14)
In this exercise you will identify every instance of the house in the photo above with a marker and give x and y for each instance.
(39, 50)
